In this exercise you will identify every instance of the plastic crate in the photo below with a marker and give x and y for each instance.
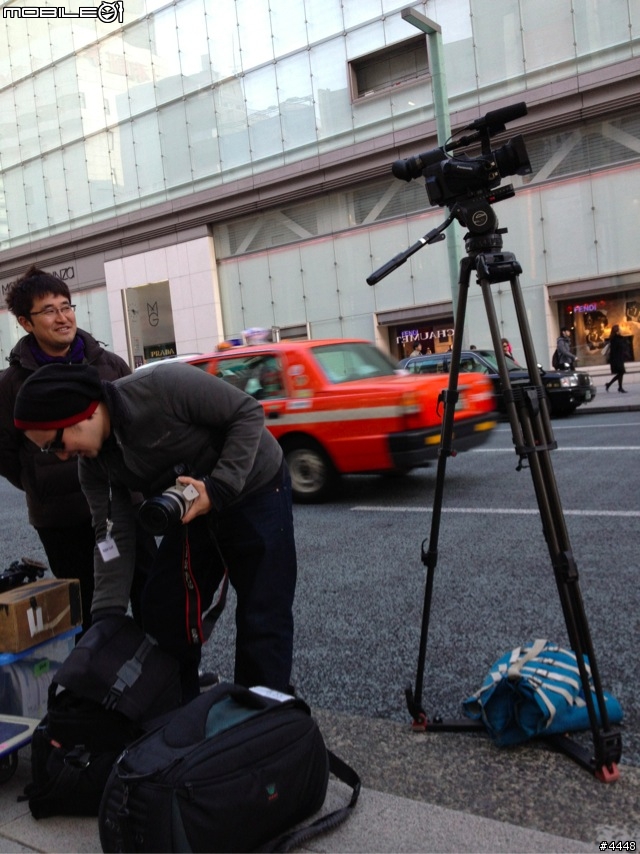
(25, 676)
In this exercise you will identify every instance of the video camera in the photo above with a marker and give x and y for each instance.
(450, 179)
(21, 572)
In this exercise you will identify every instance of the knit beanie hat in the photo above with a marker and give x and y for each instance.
(57, 396)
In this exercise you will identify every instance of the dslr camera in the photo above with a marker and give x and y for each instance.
(160, 512)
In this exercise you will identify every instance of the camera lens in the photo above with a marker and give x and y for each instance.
(512, 158)
(159, 513)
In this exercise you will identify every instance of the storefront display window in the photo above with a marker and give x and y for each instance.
(427, 338)
(591, 319)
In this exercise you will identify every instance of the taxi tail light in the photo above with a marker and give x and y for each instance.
(410, 403)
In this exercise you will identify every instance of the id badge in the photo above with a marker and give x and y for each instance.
(108, 547)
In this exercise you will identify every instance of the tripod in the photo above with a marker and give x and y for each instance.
(528, 414)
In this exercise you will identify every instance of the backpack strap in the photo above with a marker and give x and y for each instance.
(345, 773)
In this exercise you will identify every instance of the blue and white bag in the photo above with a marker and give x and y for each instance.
(535, 690)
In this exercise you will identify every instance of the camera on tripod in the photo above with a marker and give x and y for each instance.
(448, 179)
(160, 512)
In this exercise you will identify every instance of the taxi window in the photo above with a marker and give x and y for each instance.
(428, 366)
(257, 375)
(355, 361)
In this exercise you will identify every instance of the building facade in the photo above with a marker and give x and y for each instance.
(197, 168)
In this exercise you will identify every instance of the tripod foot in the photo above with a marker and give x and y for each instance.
(420, 723)
(609, 774)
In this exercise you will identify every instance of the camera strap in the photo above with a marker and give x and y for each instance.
(199, 626)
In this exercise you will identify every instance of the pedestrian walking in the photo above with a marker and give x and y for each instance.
(618, 354)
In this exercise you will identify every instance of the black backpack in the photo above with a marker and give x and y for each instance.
(233, 770)
(104, 696)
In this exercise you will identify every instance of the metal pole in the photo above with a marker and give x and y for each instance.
(433, 32)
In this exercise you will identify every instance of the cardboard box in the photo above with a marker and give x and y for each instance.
(36, 612)
(25, 676)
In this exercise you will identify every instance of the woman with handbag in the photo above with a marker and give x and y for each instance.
(618, 355)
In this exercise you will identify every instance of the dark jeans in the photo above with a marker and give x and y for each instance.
(256, 538)
(70, 553)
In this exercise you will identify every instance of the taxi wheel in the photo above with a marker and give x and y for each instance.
(313, 477)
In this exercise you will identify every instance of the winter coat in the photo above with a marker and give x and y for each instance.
(167, 416)
(52, 489)
(618, 353)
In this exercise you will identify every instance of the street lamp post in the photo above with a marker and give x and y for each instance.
(433, 32)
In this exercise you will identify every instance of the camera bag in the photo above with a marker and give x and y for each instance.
(233, 770)
(114, 683)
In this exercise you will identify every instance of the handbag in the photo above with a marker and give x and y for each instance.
(535, 690)
(233, 770)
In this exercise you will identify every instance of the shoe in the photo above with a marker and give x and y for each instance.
(623, 390)
(607, 386)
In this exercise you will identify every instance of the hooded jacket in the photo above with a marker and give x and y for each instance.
(51, 486)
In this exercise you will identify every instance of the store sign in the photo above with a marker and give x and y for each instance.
(408, 336)
(582, 309)
(160, 351)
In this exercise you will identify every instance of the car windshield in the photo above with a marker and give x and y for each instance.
(490, 356)
(347, 362)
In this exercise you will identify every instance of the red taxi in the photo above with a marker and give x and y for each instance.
(340, 406)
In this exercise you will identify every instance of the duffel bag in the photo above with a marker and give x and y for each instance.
(234, 770)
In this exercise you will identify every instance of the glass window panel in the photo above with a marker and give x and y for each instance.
(331, 88)
(114, 79)
(319, 281)
(576, 231)
(296, 100)
(256, 291)
(231, 121)
(60, 37)
(288, 26)
(93, 104)
(365, 40)
(18, 49)
(460, 67)
(54, 188)
(35, 196)
(357, 11)
(27, 119)
(353, 265)
(203, 135)
(547, 33)
(286, 286)
(100, 172)
(76, 179)
(174, 144)
(324, 18)
(16, 202)
(230, 297)
(166, 56)
(146, 146)
(265, 130)
(254, 28)
(193, 45)
(595, 31)
(9, 148)
(137, 56)
(498, 41)
(224, 48)
(616, 198)
(39, 44)
(85, 31)
(70, 101)
(47, 111)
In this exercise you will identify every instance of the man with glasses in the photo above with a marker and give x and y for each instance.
(57, 508)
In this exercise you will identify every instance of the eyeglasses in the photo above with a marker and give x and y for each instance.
(51, 311)
(56, 444)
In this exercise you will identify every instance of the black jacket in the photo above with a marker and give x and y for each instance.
(52, 488)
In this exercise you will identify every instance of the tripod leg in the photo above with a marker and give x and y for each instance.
(430, 555)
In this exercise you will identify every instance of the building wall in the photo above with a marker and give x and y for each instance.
(129, 146)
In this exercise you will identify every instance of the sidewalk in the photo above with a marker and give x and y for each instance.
(613, 401)
(423, 792)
